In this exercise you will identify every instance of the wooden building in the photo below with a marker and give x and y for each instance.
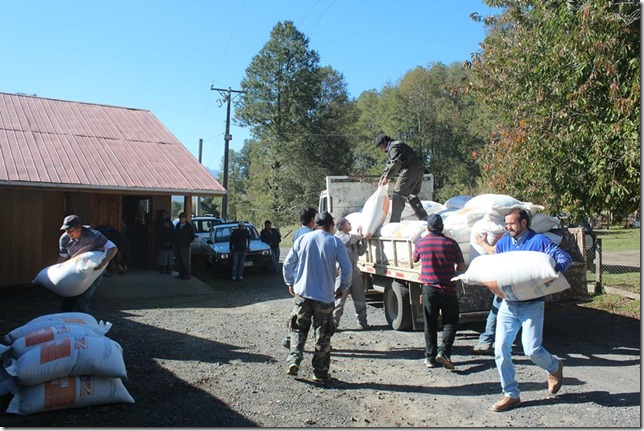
(109, 165)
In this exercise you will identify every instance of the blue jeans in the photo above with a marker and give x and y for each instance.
(512, 317)
(239, 258)
(80, 303)
(487, 337)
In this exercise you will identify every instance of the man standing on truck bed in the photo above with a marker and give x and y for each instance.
(441, 258)
(404, 162)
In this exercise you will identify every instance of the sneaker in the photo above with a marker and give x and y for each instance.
(555, 380)
(234, 278)
(241, 278)
(445, 361)
(430, 364)
(286, 342)
(293, 369)
(321, 377)
(482, 349)
(505, 404)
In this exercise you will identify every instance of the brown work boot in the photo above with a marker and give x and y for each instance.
(505, 404)
(555, 380)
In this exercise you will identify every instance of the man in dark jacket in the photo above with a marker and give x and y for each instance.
(185, 234)
(239, 246)
(408, 166)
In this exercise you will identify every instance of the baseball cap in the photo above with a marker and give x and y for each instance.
(70, 221)
(324, 219)
(380, 138)
(435, 223)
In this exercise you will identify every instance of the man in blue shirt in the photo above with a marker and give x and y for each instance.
(309, 272)
(526, 315)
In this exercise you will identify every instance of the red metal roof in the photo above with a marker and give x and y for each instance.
(58, 143)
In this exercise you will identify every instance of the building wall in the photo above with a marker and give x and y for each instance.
(32, 219)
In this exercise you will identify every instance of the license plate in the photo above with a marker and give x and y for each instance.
(248, 263)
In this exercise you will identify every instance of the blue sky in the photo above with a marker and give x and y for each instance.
(163, 55)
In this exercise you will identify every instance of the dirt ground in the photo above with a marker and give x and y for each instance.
(211, 355)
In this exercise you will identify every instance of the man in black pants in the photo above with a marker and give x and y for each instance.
(408, 166)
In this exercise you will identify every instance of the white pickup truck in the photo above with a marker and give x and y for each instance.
(387, 266)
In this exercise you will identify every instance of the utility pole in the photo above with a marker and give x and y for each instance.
(226, 96)
(199, 197)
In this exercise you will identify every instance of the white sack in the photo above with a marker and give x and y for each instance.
(541, 222)
(554, 237)
(375, 211)
(457, 202)
(430, 207)
(99, 328)
(490, 226)
(490, 200)
(69, 392)
(8, 384)
(72, 277)
(355, 219)
(515, 275)
(68, 317)
(70, 356)
(51, 333)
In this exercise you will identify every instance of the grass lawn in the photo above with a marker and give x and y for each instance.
(624, 277)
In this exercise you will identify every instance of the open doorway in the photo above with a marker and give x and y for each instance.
(137, 228)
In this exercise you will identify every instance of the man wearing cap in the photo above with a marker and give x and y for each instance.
(408, 166)
(309, 273)
(441, 258)
(239, 245)
(356, 247)
(78, 239)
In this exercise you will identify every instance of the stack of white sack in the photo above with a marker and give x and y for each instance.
(484, 215)
(60, 361)
(73, 276)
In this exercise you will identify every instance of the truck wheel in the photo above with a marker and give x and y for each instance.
(397, 306)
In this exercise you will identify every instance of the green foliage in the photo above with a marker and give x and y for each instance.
(299, 114)
(618, 239)
(564, 79)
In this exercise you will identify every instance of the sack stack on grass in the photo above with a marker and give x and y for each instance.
(51, 366)
(72, 277)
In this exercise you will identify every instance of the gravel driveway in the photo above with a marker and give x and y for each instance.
(210, 354)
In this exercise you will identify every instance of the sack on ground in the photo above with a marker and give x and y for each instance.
(375, 211)
(72, 277)
(100, 328)
(515, 275)
(69, 392)
(8, 384)
(51, 333)
(70, 356)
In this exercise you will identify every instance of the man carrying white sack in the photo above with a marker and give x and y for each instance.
(408, 166)
(76, 240)
(526, 315)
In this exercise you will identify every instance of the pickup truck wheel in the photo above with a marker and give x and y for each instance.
(397, 307)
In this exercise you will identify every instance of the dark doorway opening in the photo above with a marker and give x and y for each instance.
(137, 228)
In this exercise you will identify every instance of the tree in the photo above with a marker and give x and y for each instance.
(298, 113)
(564, 79)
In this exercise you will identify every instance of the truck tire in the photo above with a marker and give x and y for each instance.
(397, 306)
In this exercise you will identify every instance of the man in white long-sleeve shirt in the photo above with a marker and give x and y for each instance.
(309, 273)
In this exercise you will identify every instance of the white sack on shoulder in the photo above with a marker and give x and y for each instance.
(490, 226)
(375, 211)
(69, 392)
(72, 277)
(51, 333)
(519, 274)
(70, 356)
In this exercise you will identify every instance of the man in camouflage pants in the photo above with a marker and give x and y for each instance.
(309, 272)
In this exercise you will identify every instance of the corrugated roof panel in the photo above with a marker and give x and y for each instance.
(81, 144)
